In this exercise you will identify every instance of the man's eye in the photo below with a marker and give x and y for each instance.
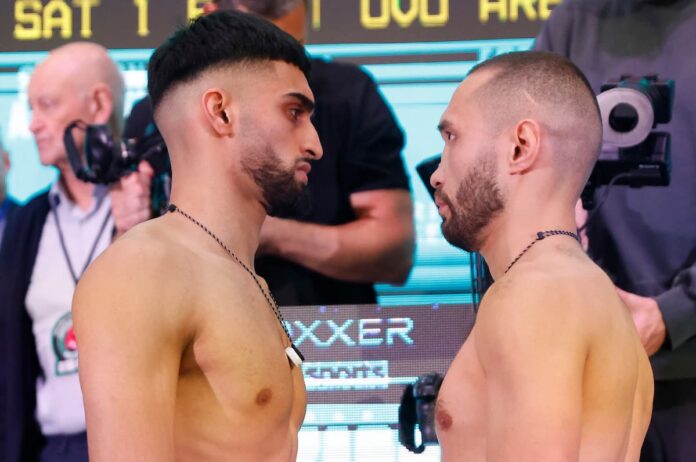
(46, 106)
(295, 113)
(449, 136)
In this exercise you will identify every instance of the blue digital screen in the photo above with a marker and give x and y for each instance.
(358, 361)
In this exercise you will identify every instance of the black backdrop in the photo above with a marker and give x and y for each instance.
(35, 25)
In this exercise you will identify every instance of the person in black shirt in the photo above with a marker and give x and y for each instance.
(357, 227)
(7, 205)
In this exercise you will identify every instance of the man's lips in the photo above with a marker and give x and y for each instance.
(439, 202)
(304, 167)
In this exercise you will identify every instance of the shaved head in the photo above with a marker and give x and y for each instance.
(551, 90)
(83, 65)
(522, 132)
(78, 81)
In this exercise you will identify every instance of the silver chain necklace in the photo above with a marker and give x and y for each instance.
(292, 352)
(540, 236)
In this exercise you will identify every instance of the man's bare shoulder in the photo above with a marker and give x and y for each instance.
(141, 272)
(168, 260)
(149, 248)
(544, 306)
(561, 283)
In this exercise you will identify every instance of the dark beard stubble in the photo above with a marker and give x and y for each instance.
(479, 200)
(283, 195)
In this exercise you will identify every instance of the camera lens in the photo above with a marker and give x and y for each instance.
(623, 118)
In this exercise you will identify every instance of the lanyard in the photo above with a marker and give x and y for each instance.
(65, 249)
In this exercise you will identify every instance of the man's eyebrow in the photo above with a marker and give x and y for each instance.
(306, 103)
(444, 125)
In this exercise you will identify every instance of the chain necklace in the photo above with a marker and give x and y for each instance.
(540, 236)
(292, 352)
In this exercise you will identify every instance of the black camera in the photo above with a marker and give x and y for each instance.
(107, 159)
(417, 408)
(633, 153)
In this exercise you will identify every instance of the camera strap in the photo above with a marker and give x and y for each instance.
(64, 248)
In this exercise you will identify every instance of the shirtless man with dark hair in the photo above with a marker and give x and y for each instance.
(553, 369)
(184, 354)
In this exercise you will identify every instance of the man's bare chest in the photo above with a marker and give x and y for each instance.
(461, 406)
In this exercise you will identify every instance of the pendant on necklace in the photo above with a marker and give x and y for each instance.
(294, 355)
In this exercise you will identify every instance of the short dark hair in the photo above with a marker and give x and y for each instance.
(269, 9)
(219, 39)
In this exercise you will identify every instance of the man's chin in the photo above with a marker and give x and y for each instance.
(299, 207)
(50, 159)
(301, 180)
(465, 243)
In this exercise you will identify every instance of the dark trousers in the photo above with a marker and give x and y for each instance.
(65, 448)
(672, 433)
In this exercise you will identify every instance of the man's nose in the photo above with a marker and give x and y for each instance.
(312, 145)
(436, 177)
(35, 123)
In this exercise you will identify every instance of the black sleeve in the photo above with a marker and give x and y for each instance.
(678, 307)
(140, 119)
(373, 160)
(556, 34)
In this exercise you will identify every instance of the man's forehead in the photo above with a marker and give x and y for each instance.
(464, 99)
(52, 73)
(469, 88)
(280, 79)
(289, 72)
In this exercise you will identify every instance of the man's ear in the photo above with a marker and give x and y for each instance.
(525, 147)
(217, 109)
(101, 103)
(210, 7)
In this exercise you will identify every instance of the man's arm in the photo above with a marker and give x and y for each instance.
(668, 318)
(131, 199)
(678, 307)
(533, 355)
(377, 247)
(130, 350)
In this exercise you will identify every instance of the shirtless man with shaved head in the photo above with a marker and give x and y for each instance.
(184, 355)
(553, 369)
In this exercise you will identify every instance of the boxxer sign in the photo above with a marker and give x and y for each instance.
(371, 332)
(373, 351)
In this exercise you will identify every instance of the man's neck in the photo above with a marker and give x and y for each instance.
(509, 235)
(229, 214)
(78, 191)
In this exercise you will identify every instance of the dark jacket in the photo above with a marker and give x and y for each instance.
(20, 436)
